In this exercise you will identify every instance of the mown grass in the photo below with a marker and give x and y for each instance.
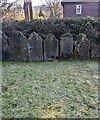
(66, 89)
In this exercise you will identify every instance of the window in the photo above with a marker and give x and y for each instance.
(78, 9)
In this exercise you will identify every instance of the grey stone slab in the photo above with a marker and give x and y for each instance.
(51, 48)
(18, 46)
(5, 48)
(66, 46)
(83, 47)
(35, 48)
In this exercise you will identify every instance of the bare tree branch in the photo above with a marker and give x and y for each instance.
(8, 10)
(54, 7)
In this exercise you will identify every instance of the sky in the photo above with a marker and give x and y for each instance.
(34, 2)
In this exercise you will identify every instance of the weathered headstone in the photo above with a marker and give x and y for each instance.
(95, 51)
(35, 48)
(18, 46)
(0, 45)
(51, 48)
(76, 50)
(5, 48)
(66, 46)
(98, 51)
(83, 47)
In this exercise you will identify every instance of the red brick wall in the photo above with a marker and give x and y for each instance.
(88, 9)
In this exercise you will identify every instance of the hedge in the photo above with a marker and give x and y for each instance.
(88, 26)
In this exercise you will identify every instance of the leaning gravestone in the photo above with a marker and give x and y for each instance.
(35, 48)
(51, 48)
(18, 46)
(76, 50)
(95, 51)
(83, 47)
(66, 46)
(98, 51)
(5, 48)
(0, 45)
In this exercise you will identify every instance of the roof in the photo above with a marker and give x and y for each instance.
(80, 0)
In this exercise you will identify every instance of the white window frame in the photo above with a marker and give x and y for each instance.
(78, 9)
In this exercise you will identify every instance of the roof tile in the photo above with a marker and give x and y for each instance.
(80, 0)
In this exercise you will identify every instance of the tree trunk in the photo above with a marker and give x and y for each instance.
(31, 12)
(28, 10)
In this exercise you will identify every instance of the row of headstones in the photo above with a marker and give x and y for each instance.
(18, 47)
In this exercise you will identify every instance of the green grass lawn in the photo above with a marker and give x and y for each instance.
(66, 89)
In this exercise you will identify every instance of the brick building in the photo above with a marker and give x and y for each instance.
(81, 8)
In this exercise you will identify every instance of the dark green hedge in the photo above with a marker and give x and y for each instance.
(89, 26)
